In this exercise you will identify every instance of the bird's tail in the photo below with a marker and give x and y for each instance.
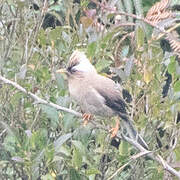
(133, 134)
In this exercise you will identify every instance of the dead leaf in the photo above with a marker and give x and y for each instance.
(86, 22)
(32, 66)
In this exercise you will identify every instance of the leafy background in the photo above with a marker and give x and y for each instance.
(40, 142)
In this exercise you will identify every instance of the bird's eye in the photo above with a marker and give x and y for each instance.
(71, 69)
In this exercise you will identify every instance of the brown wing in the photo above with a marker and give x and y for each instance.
(94, 103)
(112, 95)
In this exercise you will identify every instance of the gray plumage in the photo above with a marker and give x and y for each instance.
(96, 94)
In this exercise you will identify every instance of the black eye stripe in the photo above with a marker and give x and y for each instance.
(71, 69)
(71, 65)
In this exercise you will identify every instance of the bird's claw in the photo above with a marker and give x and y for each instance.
(114, 130)
(86, 118)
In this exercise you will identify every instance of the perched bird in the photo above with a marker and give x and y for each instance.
(97, 95)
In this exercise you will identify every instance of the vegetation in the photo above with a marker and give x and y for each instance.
(135, 46)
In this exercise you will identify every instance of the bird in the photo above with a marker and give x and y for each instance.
(97, 95)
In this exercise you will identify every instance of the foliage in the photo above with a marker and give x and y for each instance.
(39, 142)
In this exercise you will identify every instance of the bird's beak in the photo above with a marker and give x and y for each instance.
(62, 71)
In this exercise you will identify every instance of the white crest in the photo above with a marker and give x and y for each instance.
(84, 64)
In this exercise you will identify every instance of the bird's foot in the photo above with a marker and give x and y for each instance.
(86, 118)
(115, 129)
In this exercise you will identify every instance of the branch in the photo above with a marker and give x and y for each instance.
(143, 152)
(150, 154)
(132, 158)
(112, 10)
(38, 99)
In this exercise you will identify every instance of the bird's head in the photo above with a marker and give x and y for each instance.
(78, 65)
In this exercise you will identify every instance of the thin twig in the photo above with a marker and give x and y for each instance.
(1, 134)
(143, 152)
(132, 142)
(168, 31)
(157, 158)
(128, 14)
(36, 30)
(35, 118)
(37, 99)
(119, 170)
(134, 157)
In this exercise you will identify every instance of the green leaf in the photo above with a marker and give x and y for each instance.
(42, 74)
(21, 4)
(123, 148)
(39, 157)
(172, 65)
(61, 140)
(55, 34)
(58, 9)
(110, 15)
(106, 40)
(102, 64)
(42, 38)
(63, 101)
(101, 138)
(8, 128)
(10, 143)
(91, 49)
(38, 139)
(49, 153)
(60, 81)
(51, 113)
(74, 175)
(61, 47)
(92, 171)
(77, 158)
(83, 134)
(177, 152)
(48, 177)
(140, 36)
(63, 149)
(79, 146)
(68, 121)
(177, 86)
(84, 4)
(148, 75)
